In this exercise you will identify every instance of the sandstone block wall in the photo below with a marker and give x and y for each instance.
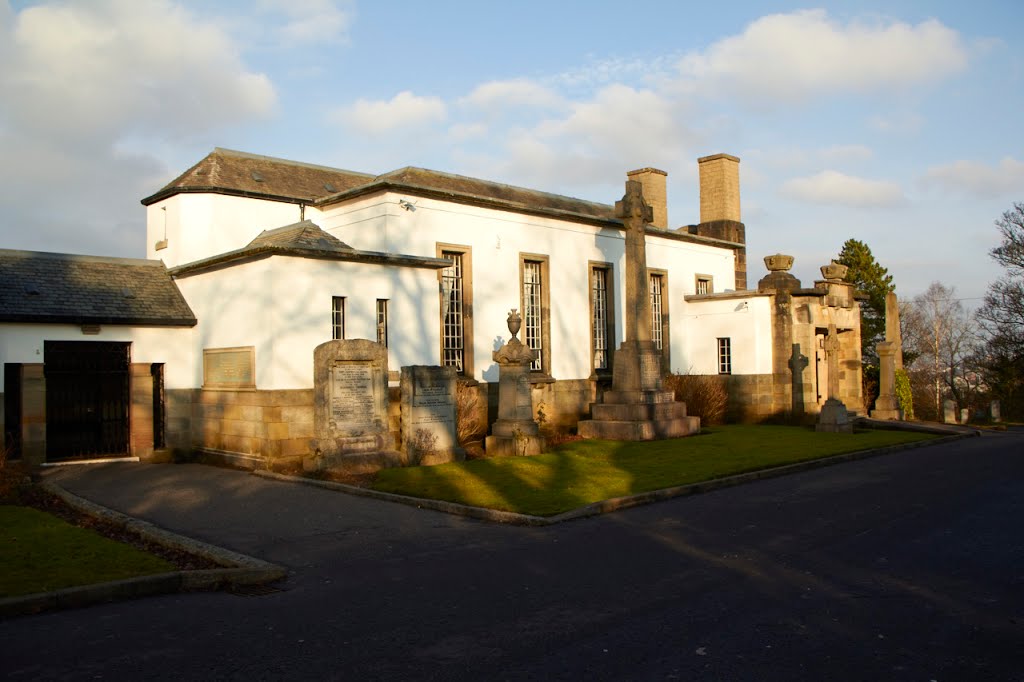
(252, 428)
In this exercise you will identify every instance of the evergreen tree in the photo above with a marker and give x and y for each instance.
(875, 281)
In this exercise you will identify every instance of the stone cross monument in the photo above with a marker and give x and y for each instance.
(515, 432)
(833, 416)
(636, 407)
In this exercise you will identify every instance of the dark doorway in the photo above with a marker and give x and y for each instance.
(159, 439)
(12, 410)
(87, 399)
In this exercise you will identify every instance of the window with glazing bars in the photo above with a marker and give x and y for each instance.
(656, 329)
(532, 311)
(338, 317)
(453, 351)
(382, 321)
(599, 308)
(724, 356)
(703, 285)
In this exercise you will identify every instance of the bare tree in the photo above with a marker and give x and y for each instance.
(942, 334)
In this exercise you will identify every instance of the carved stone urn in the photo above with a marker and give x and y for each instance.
(834, 272)
(778, 263)
(515, 322)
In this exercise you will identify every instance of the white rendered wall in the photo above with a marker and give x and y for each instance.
(498, 239)
(744, 320)
(203, 225)
(282, 307)
(24, 343)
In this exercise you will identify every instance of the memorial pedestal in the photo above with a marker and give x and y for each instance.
(515, 432)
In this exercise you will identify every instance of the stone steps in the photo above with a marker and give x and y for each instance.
(647, 429)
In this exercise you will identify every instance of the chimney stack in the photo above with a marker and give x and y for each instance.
(719, 188)
(653, 182)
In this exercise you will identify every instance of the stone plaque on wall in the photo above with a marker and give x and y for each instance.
(352, 394)
(429, 414)
(229, 367)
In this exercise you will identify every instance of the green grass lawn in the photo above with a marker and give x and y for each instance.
(39, 553)
(580, 472)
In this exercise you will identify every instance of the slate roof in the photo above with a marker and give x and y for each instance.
(227, 171)
(64, 288)
(304, 240)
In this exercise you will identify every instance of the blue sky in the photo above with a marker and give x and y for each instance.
(897, 123)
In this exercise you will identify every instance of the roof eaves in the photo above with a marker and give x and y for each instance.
(247, 254)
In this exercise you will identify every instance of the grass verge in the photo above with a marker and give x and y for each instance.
(40, 553)
(578, 473)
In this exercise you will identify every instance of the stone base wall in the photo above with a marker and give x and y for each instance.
(253, 428)
(559, 405)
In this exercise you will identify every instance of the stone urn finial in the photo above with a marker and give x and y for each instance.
(515, 322)
(834, 272)
(779, 262)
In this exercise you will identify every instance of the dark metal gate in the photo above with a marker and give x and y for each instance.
(12, 410)
(87, 398)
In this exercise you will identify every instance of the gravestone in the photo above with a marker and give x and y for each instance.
(964, 415)
(429, 415)
(994, 411)
(637, 407)
(833, 417)
(949, 412)
(350, 401)
(515, 432)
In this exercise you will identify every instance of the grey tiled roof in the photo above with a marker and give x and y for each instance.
(231, 172)
(63, 288)
(306, 234)
(305, 240)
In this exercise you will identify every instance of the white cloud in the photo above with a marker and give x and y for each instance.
(978, 179)
(404, 110)
(309, 21)
(105, 67)
(83, 82)
(833, 187)
(520, 92)
(790, 57)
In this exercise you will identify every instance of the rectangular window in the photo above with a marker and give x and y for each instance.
(533, 326)
(453, 350)
(382, 321)
(602, 330)
(724, 356)
(704, 284)
(338, 317)
(656, 311)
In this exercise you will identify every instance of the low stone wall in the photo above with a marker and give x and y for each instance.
(252, 428)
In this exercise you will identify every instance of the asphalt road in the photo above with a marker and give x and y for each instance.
(903, 567)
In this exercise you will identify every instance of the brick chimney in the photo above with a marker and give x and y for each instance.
(653, 181)
(720, 208)
(719, 188)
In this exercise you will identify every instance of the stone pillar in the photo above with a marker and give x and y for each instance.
(892, 327)
(515, 432)
(833, 416)
(886, 406)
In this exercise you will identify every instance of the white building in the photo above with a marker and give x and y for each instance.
(274, 257)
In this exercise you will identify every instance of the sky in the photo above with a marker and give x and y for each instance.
(897, 123)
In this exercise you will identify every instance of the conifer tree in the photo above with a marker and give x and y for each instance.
(872, 279)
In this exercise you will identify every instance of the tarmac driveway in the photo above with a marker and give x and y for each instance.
(908, 566)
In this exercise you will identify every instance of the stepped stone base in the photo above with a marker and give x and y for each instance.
(834, 418)
(638, 415)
